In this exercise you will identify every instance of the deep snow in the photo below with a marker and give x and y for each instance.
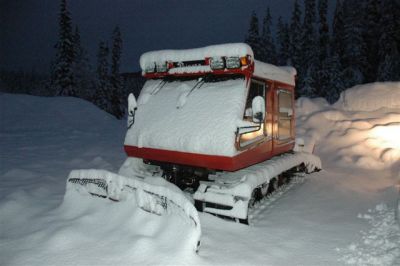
(343, 214)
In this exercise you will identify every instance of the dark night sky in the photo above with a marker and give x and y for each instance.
(29, 28)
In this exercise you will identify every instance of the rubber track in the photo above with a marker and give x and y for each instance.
(261, 207)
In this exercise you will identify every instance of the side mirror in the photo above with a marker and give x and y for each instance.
(258, 106)
(132, 107)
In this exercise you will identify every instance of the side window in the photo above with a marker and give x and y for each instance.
(285, 111)
(252, 134)
(257, 88)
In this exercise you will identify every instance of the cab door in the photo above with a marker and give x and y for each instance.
(284, 123)
(255, 134)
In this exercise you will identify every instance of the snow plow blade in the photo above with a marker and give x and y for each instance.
(156, 199)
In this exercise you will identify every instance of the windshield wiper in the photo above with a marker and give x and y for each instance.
(182, 99)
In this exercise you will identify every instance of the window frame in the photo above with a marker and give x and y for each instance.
(289, 118)
(262, 137)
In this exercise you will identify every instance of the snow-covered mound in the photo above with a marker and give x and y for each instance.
(41, 140)
(42, 124)
(370, 97)
(38, 149)
(361, 129)
(62, 114)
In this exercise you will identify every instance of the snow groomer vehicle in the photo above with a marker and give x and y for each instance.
(215, 122)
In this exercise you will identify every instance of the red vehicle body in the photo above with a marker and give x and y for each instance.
(270, 144)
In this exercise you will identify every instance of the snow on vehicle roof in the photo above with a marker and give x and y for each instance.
(263, 70)
(285, 74)
(228, 49)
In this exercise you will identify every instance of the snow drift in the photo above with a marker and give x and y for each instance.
(362, 129)
(153, 198)
(42, 139)
(370, 97)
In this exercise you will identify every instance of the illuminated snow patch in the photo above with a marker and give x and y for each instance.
(387, 136)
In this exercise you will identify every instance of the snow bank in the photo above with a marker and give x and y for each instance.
(154, 198)
(370, 97)
(360, 130)
(57, 114)
(93, 231)
(38, 149)
(207, 116)
(41, 140)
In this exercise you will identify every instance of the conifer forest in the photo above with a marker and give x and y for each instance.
(359, 44)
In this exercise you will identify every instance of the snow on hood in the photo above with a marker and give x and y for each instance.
(370, 97)
(355, 131)
(202, 121)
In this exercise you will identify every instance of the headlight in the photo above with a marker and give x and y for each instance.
(232, 62)
(151, 68)
(162, 67)
(217, 63)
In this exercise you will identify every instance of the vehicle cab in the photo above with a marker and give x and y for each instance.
(209, 109)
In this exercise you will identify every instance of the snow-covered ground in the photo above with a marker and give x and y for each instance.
(341, 215)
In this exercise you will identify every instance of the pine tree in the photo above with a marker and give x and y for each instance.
(338, 44)
(323, 29)
(118, 109)
(333, 75)
(81, 68)
(268, 52)
(51, 83)
(309, 53)
(283, 43)
(102, 97)
(389, 61)
(371, 36)
(322, 82)
(396, 11)
(308, 89)
(295, 35)
(63, 75)
(354, 50)
(389, 68)
(253, 37)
